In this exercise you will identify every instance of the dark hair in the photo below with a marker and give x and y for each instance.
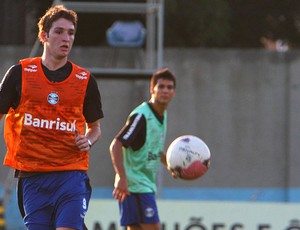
(53, 14)
(162, 74)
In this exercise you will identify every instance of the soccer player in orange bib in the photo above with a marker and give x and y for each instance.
(53, 110)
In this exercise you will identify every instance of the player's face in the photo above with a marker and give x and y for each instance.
(163, 91)
(60, 38)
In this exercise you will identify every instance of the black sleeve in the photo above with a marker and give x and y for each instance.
(92, 109)
(10, 89)
(133, 134)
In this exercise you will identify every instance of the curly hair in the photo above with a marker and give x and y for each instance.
(53, 14)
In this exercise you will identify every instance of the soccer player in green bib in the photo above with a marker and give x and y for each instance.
(136, 152)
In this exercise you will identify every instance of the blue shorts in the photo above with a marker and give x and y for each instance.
(56, 199)
(138, 208)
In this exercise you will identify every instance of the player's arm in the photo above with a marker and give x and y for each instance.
(131, 135)
(92, 107)
(92, 111)
(121, 187)
(163, 159)
(10, 89)
(93, 131)
(1, 115)
(85, 141)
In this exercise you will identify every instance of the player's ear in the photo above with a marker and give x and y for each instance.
(151, 90)
(43, 36)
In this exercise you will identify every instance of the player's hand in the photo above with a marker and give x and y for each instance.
(121, 189)
(176, 172)
(81, 141)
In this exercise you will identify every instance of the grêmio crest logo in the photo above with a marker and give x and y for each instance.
(53, 98)
(57, 124)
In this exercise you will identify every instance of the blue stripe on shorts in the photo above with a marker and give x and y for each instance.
(138, 208)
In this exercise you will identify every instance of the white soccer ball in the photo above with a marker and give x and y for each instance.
(189, 156)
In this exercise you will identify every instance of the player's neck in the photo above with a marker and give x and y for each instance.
(53, 63)
(158, 107)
